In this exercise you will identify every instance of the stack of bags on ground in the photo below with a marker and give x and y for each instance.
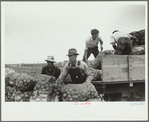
(21, 87)
(18, 86)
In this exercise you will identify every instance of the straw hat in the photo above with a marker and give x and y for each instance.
(50, 58)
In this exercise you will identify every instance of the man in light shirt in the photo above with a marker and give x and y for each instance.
(121, 42)
(91, 46)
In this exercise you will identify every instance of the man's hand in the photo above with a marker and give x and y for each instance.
(101, 48)
(59, 82)
(86, 82)
(86, 61)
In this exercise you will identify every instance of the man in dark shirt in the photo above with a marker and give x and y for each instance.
(51, 69)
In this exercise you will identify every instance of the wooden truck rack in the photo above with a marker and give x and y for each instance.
(122, 74)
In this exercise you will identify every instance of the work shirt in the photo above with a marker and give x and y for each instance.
(54, 72)
(115, 36)
(90, 43)
(83, 70)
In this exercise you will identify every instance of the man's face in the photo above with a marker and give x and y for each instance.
(72, 58)
(94, 36)
(50, 64)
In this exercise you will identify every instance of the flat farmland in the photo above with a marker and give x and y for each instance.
(31, 69)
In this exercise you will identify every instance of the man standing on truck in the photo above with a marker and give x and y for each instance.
(91, 45)
(78, 70)
(122, 42)
(51, 69)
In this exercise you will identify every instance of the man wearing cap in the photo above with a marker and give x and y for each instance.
(51, 69)
(122, 42)
(78, 70)
(91, 45)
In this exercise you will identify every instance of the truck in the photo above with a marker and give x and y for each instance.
(123, 78)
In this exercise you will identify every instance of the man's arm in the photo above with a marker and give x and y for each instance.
(113, 42)
(58, 71)
(89, 77)
(43, 70)
(101, 43)
(63, 75)
(85, 52)
(114, 46)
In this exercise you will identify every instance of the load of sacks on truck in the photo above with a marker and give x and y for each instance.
(21, 87)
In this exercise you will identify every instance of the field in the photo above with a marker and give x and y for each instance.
(31, 69)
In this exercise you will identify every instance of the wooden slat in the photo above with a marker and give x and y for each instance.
(138, 73)
(111, 60)
(116, 74)
(115, 82)
(115, 68)
(138, 61)
(136, 67)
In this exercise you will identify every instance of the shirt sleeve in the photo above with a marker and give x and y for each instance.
(63, 74)
(129, 35)
(112, 40)
(86, 45)
(43, 70)
(89, 77)
(100, 40)
(58, 71)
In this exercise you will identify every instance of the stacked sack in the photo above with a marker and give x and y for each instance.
(10, 93)
(21, 84)
(95, 65)
(138, 46)
(23, 96)
(138, 50)
(42, 88)
(8, 71)
(140, 37)
(76, 92)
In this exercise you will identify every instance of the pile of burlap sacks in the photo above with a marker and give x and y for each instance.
(138, 46)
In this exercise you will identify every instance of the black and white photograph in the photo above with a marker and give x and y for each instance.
(74, 60)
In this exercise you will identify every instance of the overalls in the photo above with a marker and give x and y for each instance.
(76, 75)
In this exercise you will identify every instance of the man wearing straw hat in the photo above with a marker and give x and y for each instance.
(78, 70)
(51, 69)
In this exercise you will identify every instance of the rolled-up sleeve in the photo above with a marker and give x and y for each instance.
(63, 74)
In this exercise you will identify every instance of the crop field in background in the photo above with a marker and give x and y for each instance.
(31, 69)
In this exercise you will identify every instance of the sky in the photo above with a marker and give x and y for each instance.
(35, 30)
